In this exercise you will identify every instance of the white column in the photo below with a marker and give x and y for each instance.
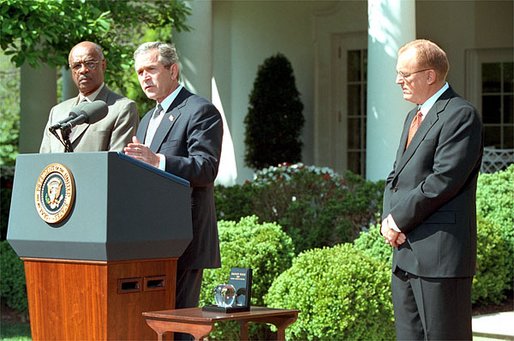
(391, 24)
(38, 94)
(195, 49)
(196, 59)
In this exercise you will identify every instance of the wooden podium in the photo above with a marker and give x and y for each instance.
(108, 253)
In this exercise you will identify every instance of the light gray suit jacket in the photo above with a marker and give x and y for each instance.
(111, 133)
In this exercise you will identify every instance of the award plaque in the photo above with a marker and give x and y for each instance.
(234, 296)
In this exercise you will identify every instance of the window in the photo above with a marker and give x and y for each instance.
(356, 109)
(497, 97)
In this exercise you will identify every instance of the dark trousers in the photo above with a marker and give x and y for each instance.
(189, 283)
(431, 308)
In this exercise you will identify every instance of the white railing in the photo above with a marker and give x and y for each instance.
(494, 159)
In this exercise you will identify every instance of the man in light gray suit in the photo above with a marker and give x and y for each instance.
(183, 136)
(113, 132)
(429, 212)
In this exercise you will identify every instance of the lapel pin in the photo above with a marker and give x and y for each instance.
(171, 118)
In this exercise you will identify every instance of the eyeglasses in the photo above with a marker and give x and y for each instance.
(406, 75)
(91, 65)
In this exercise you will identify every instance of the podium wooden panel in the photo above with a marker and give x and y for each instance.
(97, 300)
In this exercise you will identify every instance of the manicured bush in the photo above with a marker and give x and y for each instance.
(315, 206)
(495, 202)
(264, 248)
(342, 294)
(371, 242)
(234, 202)
(12, 284)
(492, 276)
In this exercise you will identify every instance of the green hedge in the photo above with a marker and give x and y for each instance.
(264, 248)
(495, 202)
(342, 294)
(315, 206)
(12, 284)
(492, 277)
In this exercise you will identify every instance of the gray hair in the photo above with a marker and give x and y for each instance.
(167, 52)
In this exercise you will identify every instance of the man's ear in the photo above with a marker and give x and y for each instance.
(431, 77)
(174, 72)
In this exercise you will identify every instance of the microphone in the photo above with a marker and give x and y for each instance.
(86, 112)
(74, 112)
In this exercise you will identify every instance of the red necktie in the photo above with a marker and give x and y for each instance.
(416, 122)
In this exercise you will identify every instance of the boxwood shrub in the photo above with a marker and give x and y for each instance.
(342, 294)
(495, 202)
(264, 248)
(492, 277)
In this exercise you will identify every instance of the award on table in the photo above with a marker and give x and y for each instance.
(234, 296)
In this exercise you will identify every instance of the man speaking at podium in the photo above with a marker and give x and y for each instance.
(113, 132)
(182, 135)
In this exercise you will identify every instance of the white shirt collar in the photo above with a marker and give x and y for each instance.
(92, 96)
(429, 103)
(166, 103)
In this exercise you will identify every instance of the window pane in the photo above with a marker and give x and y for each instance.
(508, 77)
(491, 77)
(364, 130)
(508, 109)
(354, 162)
(508, 137)
(491, 109)
(354, 66)
(354, 100)
(353, 133)
(365, 64)
(492, 137)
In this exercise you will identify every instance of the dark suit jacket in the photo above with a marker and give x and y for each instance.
(190, 136)
(113, 132)
(431, 191)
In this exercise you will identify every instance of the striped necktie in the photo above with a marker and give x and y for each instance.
(155, 120)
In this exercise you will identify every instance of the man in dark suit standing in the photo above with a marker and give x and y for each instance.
(429, 212)
(113, 132)
(183, 136)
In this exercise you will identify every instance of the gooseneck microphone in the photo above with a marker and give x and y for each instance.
(85, 112)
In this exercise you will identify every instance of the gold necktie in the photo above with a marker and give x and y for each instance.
(416, 122)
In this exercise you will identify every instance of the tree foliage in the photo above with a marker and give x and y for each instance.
(41, 31)
(275, 120)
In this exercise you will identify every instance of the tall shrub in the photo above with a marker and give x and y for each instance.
(275, 120)
(341, 293)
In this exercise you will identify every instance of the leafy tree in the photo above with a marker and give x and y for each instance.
(42, 31)
(274, 120)
(9, 114)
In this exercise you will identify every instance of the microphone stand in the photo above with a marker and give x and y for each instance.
(65, 138)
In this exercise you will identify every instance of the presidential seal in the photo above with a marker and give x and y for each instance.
(55, 193)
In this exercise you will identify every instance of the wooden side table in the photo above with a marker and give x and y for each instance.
(200, 323)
